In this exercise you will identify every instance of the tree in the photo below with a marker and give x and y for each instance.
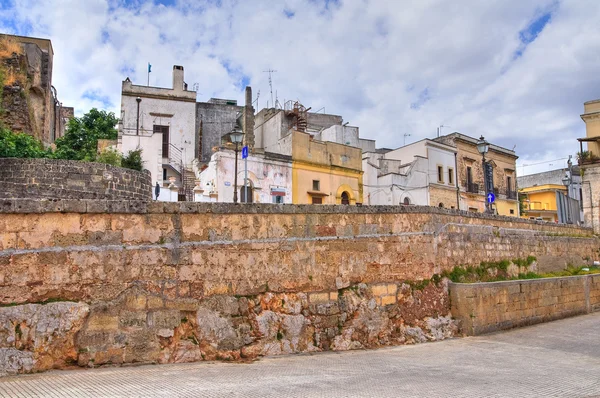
(20, 145)
(81, 139)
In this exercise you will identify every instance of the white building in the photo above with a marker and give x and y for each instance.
(161, 121)
(269, 178)
(422, 173)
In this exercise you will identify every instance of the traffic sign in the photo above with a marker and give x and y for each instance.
(491, 197)
(245, 152)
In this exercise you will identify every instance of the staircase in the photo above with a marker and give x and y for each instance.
(188, 182)
(296, 109)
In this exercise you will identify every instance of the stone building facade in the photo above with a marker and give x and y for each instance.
(30, 101)
(590, 165)
(471, 180)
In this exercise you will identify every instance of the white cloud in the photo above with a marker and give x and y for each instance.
(368, 61)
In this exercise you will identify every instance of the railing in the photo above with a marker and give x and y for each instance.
(175, 158)
(511, 194)
(472, 188)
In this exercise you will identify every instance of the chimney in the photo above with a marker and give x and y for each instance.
(249, 119)
(177, 78)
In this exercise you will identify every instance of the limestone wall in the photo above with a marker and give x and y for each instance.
(489, 307)
(69, 179)
(176, 282)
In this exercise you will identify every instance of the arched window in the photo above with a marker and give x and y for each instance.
(406, 201)
(250, 189)
(345, 198)
(441, 205)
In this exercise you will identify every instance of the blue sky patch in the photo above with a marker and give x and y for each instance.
(423, 98)
(531, 32)
(96, 96)
(288, 13)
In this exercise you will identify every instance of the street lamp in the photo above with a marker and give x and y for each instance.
(482, 147)
(567, 183)
(236, 137)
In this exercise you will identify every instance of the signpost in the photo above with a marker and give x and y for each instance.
(491, 197)
(245, 157)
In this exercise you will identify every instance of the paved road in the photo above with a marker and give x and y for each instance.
(558, 359)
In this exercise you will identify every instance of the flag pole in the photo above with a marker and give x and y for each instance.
(149, 70)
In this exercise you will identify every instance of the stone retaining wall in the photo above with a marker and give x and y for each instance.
(176, 282)
(69, 179)
(488, 307)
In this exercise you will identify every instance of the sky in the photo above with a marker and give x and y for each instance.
(514, 71)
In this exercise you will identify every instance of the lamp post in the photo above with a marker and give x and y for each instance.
(137, 123)
(236, 136)
(482, 147)
(567, 183)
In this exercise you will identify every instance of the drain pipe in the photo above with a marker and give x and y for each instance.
(456, 181)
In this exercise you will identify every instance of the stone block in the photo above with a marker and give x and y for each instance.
(387, 300)
(317, 298)
(100, 322)
(164, 319)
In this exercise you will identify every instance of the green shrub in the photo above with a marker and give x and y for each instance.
(110, 156)
(133, 160)
(20, 145)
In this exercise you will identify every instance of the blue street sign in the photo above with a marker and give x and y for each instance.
(491, 197)
(245, 152)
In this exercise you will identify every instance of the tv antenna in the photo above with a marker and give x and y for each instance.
(439, 129)
(256, 100)
(407, 135)
(270, 72)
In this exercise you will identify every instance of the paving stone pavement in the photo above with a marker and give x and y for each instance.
(557, 359)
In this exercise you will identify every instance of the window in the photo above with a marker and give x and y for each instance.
(164, 130)
(243, 194)
(473, 209)
(441, 205)
(441, 174)
(277, 199)
(512, 211)
(317, 201)
(406, 201)
(316, 185)
(164, 174)
(509, 184)
(469, 175)
(580, 199)
(345, 198)
(450, 176)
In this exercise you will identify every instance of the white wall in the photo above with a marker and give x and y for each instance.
(413, 180)
(345, 135)
(264, 174)
(175, 108)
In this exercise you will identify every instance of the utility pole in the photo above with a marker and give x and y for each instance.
(407, 135)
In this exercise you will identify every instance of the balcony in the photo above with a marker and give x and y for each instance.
(472, 188)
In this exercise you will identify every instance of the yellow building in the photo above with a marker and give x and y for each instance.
(325, 172)
(541, 201)
(471, 180)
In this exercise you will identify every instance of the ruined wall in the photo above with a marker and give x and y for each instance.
(176, 282)
(489, 307)
(213, 120)
(69, 179)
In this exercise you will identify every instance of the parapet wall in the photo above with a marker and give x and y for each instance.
(69, 179)
(488, 307)
(177, 282)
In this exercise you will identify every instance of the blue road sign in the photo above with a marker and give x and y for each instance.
(491, 197)
(245, 152)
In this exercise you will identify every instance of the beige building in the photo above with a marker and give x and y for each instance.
(325, 153)
(471, 180)
(589, 161)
